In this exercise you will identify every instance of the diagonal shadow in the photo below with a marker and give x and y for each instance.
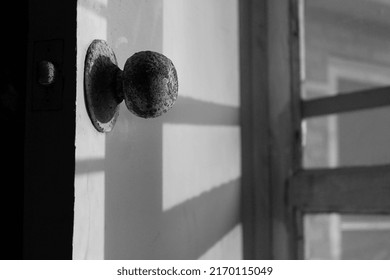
(195, 225)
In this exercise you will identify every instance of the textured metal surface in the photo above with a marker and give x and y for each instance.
(100, 85)
(150, 85)
(46, 73)
(47, 76)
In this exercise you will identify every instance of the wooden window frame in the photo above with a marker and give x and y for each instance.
(276, 191)
(268, 125)
(344, 190)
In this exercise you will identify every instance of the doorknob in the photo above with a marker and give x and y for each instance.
(148, 85)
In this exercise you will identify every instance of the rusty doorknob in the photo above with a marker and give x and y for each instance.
(148, 85)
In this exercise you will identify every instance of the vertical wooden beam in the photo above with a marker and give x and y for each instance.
(256, 193)
(297, 66)
(283, 123)
(295, 218)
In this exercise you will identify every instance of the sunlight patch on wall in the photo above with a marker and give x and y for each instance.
(202, 39)
(198, 158)
(102, 2)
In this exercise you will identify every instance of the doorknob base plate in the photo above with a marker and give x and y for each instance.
(100, 85)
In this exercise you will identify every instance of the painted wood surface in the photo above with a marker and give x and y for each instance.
(281, 125)
(354, 190)
(256, 189)
(50, 132)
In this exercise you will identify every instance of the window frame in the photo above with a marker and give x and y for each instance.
(343, 190)
(276, 191)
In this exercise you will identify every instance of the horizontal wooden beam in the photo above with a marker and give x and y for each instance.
(348, 190)
(346, 102)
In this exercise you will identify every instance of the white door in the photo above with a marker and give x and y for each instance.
(165, 188)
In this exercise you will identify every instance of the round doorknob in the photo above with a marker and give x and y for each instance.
(148, 85)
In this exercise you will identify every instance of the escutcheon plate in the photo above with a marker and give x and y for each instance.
(100, 72)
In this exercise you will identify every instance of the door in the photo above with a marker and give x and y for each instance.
(165, 188)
